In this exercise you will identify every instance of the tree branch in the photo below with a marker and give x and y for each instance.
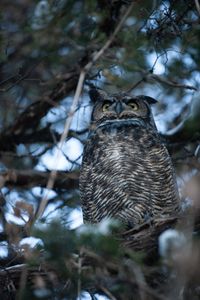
(44, 135)
(30, 117)
(32, 178)
(171, 83)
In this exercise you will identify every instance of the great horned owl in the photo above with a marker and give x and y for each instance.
(126, 171)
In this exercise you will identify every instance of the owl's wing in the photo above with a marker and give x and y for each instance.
(86, 186)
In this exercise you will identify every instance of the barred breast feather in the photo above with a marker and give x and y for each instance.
(127, 174)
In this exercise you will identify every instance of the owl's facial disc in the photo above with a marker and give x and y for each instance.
(121, 112)
(120, 123)
(111, 107)
(118, 108)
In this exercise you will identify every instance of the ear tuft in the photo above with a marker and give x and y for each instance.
(97, 95)
(150, 100)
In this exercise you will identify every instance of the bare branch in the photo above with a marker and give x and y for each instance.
(144, 237)
(32, 178)
(147, 76)
(45, 135)
(30, 118)
(171, 83)
(197, 6)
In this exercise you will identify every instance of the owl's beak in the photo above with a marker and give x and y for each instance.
(118, 108)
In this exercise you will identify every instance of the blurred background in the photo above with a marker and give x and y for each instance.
(43, 47)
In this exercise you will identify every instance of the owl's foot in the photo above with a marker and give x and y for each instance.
(135, 221)
(129, 221)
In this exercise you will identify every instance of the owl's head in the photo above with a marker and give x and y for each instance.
(121, 109)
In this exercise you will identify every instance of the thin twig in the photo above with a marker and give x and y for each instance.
(135, 85)
(78, 91)
(18, 77)
(171, 83)
(197, 6)
(146, 75)
(110, 40)
(107, 292)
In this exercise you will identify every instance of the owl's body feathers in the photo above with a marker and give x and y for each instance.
(126, 172)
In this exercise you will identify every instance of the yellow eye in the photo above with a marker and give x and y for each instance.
(133, 105)
(105, 106)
